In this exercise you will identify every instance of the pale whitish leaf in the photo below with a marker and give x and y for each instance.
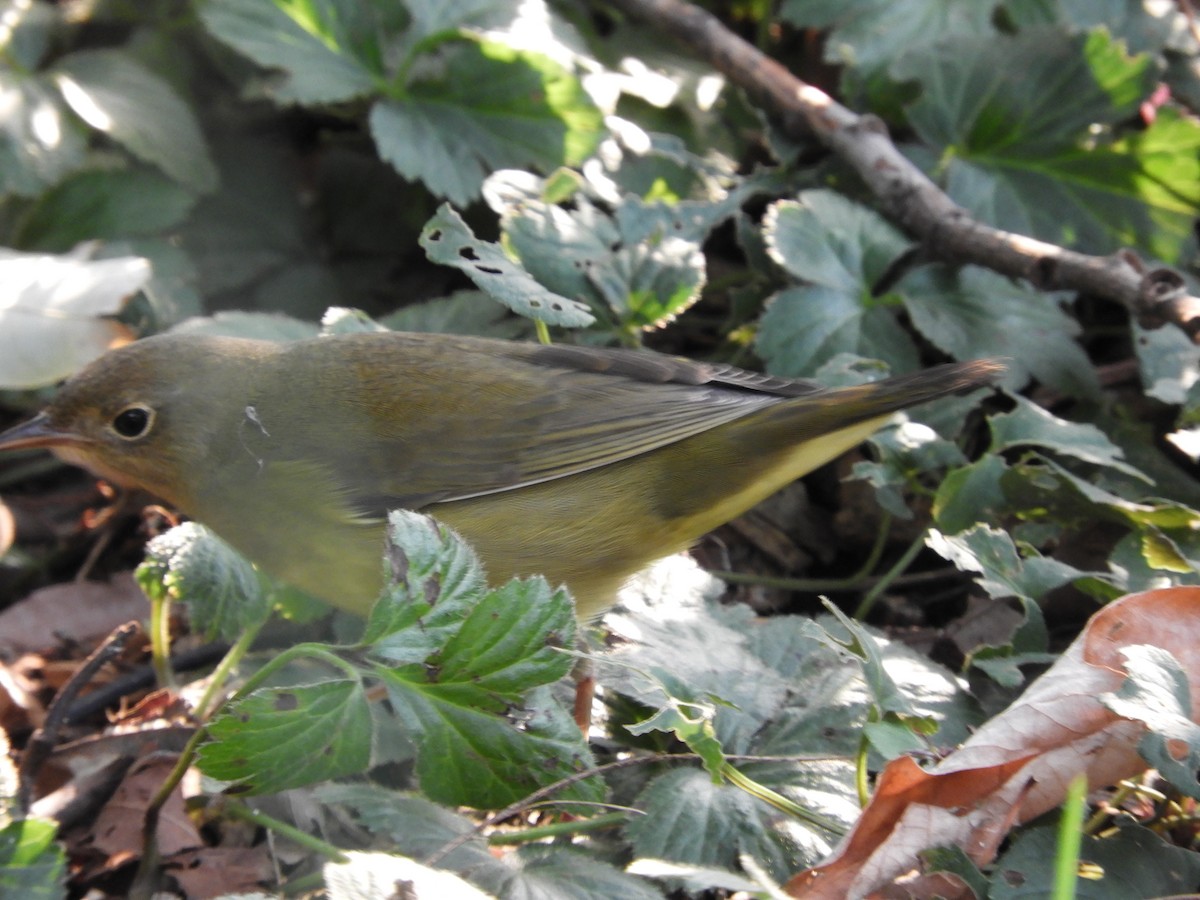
(448, 240)
(55, 314)
(1029, 425)
(301, 735)
(369, 875)
(972, 313)
(259, 326)
(1156, 693)
(191, 565)
(138, 110)
(32, 865)
(1169, 363)
(313, 63)
(1003, 572)
(839, 250)
(343, 320)
(40, 142)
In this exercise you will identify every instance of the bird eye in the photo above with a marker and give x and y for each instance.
(133, 421)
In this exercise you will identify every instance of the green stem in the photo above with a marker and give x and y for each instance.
(297, 651)
(558, 829)
(861, 780)
(905, 560)
(160, 640)
(542, 330)
(1070, 839)
(780, 802)
(224, 670)
(291, 832)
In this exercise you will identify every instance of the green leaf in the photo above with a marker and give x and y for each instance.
(105, 205)
(435, 581)
(468, 756)
(689, 819)
(970, 494)
(448, 240)
(1135, 862)
(869, 34)
(638, 268)
(1156, 693)
(282, 738)
(138, 110)
(1013, 119)
(302, 41)
(496, 108)
(1029, 425)
(224, 592)
(971, 313)
(992, 553)
(840, 250)
(908, 452)
(39, 142)
(519, 636)
(32, 865)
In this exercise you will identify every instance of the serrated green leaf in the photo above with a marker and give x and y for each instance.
(840, 250)
(415, 826)
(316, 60)
(447, 240)
(435, 581)
(32, 865)
(224, 593)
(518, 637)
(496, 108)
(1029, 425)
(471, 757)
(105, 205)
(688, 819)
(276, 739)
(1156, 692)
(992, 553)
(1012, 121)
(40, 143)
(139, 111)
(971, 313)
(563, 872)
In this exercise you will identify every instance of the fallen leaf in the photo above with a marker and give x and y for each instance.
(118, 829)
(57, 313)
(1018, 765)
(81, 612)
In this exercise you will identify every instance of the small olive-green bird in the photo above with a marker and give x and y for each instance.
(581, 464)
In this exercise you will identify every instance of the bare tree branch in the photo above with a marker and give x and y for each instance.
(1155, 296)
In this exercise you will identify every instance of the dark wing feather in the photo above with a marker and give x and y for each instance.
(529, 413)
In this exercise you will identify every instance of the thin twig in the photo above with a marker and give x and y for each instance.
(1155, 296)
(43, 740)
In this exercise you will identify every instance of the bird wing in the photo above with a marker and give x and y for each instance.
(527, 413)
